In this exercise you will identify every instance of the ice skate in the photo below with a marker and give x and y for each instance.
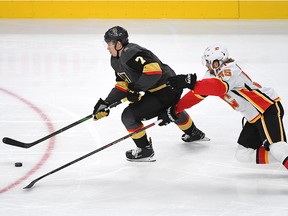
(195, 135)
(141, 154)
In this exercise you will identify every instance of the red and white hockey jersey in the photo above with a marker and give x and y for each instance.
(234, 87)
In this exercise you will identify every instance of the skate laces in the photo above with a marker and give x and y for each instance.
(196, 131)
(136, 151)
(195, 134)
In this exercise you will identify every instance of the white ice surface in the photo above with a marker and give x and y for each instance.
(52, 73)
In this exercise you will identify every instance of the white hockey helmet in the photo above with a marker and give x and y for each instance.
(213, 53)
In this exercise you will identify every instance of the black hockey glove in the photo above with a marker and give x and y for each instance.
(183, 81)
(133, 94)
(101, 109)
(167, 116)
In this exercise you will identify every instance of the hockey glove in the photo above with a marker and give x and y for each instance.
(183, 81)
(167, 116)
(133, 94)
(101, 109)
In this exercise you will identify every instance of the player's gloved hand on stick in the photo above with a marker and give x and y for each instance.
(167, 116)
(133, 94)
(183, 81)
(101, 109)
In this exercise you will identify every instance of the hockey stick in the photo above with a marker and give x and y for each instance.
(91, 153)
(13, 142)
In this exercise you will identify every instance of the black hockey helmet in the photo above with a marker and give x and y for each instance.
(117, 33)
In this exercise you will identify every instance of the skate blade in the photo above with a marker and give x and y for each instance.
(201, 140)
(148, 159)
(204, 139)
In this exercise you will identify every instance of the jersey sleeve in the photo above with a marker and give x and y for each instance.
(211, 86)
(188, 100)
(202, 88)
(117, 93)
(148, 66)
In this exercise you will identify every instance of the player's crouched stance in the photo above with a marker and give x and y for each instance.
(262, 139)
(136, 70)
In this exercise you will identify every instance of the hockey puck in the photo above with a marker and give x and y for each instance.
(18, 164)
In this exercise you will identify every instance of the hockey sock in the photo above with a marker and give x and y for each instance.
(249, 155)
(138, 135)
(285, 162)
(142, 142)
(264, 157)
(185, 123)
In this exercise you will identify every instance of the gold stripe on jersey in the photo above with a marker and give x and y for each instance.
(280, 122)
(198, 96)
(225, 84)
(122, 86)
(157, 88)
(152, 68)
(277, 99)
(266, 130)
(256, 98)
(255, 119)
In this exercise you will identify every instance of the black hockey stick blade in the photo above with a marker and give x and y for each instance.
(31, 184)
(14, 142)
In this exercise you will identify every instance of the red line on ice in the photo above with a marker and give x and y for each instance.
(48, 150)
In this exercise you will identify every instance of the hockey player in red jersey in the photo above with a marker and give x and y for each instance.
(139, 70)
(262, 139)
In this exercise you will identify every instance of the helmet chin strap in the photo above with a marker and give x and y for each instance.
(118, 50)
(214, 70)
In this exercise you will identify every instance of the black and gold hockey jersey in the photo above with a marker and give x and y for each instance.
(141, 67)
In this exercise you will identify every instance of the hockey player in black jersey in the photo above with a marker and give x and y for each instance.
(139, 70)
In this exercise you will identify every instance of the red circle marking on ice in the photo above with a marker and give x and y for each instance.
(48, 150)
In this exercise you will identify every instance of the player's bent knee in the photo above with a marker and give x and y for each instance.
(127, 117)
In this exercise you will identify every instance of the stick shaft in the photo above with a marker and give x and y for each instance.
(90, 153)
(13, 142)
